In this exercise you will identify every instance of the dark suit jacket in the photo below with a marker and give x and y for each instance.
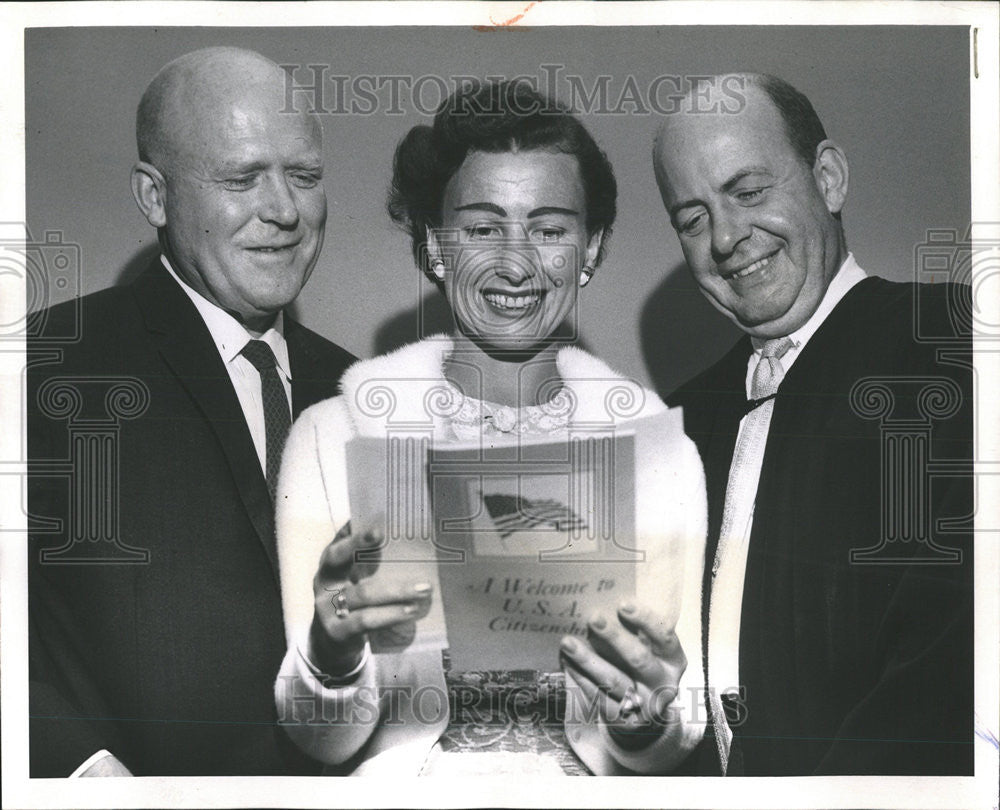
(851, 667)
(169, 663)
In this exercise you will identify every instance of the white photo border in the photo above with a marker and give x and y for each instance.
(923, 792)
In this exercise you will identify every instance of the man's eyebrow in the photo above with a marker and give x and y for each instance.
(726, 187)
(245, 167)
(742, 174)
(677, 207)
(241, 166)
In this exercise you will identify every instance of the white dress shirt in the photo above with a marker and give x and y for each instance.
(726, 598)
(230, 337)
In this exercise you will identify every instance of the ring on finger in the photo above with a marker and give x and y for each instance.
(340, 607)
(629, 704)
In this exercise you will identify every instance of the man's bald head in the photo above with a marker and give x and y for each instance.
(186, 93)
(802, 125)
(755, 196)
(231, 177)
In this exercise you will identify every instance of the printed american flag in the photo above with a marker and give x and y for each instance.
(513, 513)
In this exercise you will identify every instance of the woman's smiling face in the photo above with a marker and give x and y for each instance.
(513, 240)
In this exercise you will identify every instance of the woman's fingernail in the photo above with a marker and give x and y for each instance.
(598, 622)
(422, 588)
(568, 645)
(409, 610)
(626, 607)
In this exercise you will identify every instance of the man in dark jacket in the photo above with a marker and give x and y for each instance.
(836, 437)
(155, 434)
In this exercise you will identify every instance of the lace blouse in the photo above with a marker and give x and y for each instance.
(474, 418)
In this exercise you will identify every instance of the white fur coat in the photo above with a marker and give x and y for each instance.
(397, 391)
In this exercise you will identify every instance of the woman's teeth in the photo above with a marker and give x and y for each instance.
(512, 301)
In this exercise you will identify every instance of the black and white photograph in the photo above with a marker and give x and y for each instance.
(500, 392)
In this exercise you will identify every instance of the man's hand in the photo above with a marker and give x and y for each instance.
(630, 667)
(350, 602)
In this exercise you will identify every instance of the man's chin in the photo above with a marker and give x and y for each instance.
(776, 323)
(276, 296)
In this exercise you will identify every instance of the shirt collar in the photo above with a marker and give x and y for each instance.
(229, 335)
(847, 276)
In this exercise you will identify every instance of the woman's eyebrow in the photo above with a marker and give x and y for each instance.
(536, 212)
(482, 206)
(552, 209)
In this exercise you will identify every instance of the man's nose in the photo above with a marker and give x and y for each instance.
(277, 203)
(729, 228)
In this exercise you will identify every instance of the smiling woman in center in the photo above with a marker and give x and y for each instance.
(509, 204)
(512, 252)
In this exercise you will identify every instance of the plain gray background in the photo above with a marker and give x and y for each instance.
(896, 99)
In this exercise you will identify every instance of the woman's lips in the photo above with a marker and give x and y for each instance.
(512, 301)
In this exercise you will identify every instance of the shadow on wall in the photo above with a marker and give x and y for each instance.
(431, 317)
(134, 267)
(402, 328)
(681, 332)
(147, 256)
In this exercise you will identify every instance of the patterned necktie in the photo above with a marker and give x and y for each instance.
(276, 417)
(744, 475)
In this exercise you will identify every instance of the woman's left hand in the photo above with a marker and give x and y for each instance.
(630, 666)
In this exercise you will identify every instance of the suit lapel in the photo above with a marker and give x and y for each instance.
(310, 379)
(732, 395)
(730, 391)
(817, 375)
(727, 390)
(187, 347)
(823, 361)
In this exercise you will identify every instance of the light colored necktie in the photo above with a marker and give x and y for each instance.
(277, 420)
(744, 474)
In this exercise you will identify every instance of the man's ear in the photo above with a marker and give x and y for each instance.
(150, 191)
(434, 260)
(594, 247)
(831, 174)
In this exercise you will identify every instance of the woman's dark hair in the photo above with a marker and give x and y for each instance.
(494, 117)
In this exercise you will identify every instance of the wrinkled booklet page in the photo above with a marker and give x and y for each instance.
(524, 539)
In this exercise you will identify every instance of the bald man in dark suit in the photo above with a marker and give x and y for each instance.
(156, 626)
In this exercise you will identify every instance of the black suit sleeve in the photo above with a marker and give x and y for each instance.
(68, 718)
(917, 717)
(855, 667)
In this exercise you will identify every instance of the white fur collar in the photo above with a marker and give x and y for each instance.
(405, 389)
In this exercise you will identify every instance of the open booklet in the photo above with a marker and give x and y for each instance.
(523, 540)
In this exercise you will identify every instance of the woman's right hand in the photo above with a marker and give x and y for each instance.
(350, 602)
(629, 668)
